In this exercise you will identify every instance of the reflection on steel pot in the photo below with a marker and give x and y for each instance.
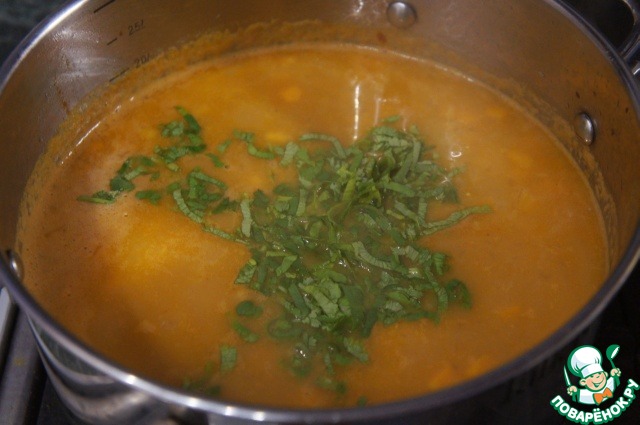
(537, 46)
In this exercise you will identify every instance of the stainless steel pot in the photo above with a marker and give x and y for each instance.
(539, 46)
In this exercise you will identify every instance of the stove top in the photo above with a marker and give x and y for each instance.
(26, 396)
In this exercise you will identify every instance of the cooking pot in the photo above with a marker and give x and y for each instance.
(536, 47)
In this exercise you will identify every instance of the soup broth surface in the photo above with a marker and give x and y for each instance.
(148, 288)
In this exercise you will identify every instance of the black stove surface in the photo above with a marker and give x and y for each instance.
(26, 396)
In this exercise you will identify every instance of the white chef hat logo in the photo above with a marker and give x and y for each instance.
(585, 361)
(595, 386)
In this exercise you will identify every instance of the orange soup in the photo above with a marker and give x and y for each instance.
(312, 226)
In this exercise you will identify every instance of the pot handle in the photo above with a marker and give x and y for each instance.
(628, 11)
(7, 312)
(8, 308)
(630, 49)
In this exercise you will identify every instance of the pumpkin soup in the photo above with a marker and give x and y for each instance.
(313, 226)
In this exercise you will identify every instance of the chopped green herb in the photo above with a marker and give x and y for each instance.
(192, 124)
(458, 291)
(220, 233)
(184, 208)
(171, 154)
(340, 250)
(222, 147)
(152, 196)
(289, 154)
(247, 272)
(364, 217)
(121, 184)
(248, 309)
(228, 358)
(339, 149)
(245, 136)
(355, 348)
(216, 160)
(100, 197)
(392, 119)
(247, 221)
(283, 329)
(254, 151)
(329, 383)
(244, 332)
(202, 384)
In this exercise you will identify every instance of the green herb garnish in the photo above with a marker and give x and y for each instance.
(244, 332)
(228, 358)
(248, 309)
(340, 250)
(202, 383)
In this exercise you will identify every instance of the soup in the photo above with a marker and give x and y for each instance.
(434, 229)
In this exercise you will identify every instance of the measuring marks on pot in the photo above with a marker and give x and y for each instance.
(122, 37)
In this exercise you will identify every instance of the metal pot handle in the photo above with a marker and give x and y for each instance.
(7, 308)
(594, 11)
(630, 49)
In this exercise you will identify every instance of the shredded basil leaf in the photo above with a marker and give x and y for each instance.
(248, 309)
(228, 358)
(244, 332)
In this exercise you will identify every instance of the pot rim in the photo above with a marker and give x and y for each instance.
(549, 346)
